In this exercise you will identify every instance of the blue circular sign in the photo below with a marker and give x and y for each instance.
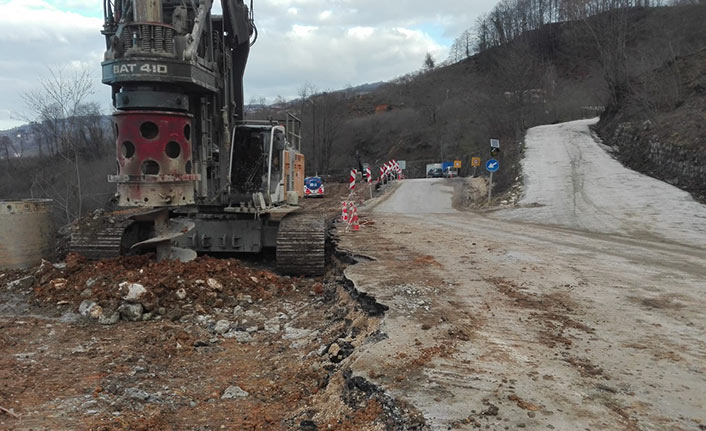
(492, 165)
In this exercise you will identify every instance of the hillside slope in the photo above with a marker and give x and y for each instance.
(659, 128)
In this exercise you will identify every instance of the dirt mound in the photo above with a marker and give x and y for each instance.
(158, 287)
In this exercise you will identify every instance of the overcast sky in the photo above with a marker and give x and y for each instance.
(329, 43)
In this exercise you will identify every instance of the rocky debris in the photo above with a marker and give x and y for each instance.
(135, 291)
(395, 414)
(492, 410)
(131, 312)
(23, 283)
(340, 350)
(240, 336)
(110, 318)
(214, 284)
(244, 298)
(292, 333)
(84, 309)
(273, 327)
(308, 426)
(57, 283)
(234, 392)
(177, 288)
(222, 326)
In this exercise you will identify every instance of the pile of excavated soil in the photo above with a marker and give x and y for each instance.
(159, 287)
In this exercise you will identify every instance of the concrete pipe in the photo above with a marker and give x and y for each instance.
(27, 233)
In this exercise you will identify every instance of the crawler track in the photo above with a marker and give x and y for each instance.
(301, 244)
(100, 241)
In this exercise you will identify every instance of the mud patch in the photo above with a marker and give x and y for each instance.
(660, 302)
(585, 367)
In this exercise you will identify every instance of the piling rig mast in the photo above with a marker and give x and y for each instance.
(212, 181)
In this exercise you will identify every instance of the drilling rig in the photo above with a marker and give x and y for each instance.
(206, 179)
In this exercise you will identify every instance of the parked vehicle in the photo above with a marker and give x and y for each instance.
(435, 173)
(432, 167)
(313, 187)
(450, 173)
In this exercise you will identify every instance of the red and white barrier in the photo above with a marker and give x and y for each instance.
(354, 219)
(344, 212)
(368, 175)
(351, 181)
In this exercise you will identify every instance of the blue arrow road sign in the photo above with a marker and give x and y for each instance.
(492, 165)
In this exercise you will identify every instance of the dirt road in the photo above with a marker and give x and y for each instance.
(510, 320)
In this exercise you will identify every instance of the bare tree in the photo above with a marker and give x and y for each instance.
(330, 120)
(429, 63)
(5, 145)
(69, 125)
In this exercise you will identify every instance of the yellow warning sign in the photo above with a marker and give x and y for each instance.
(475, 162)
(457, 164)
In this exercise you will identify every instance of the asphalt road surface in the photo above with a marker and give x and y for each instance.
(581, 309)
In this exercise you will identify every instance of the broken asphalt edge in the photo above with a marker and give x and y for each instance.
(402, 415)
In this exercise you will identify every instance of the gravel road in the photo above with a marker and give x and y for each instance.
(583, 313)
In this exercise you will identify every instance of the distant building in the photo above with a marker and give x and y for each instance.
(383, 108)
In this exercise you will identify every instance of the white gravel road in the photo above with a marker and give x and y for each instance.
(570, 180)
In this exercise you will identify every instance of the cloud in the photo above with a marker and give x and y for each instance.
(330, 43)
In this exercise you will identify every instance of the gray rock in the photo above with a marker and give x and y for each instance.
(238, 309)
(181, 294)
(251, 329)
(272, 327)
(87, 293)
(254, 314)
(135, 291)
(85, 307)
(241, 336)
(22, 283)
(203, 319)
(233, 392)
(90, 282)
(131, 312)
(136, 394)
(292, 333)
(109, 318)
(146, 317)
(222, 326)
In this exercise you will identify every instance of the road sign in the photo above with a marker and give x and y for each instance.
(492, 165)
(494, 143)
(475, 161)
(403, 164)
(457, 164)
